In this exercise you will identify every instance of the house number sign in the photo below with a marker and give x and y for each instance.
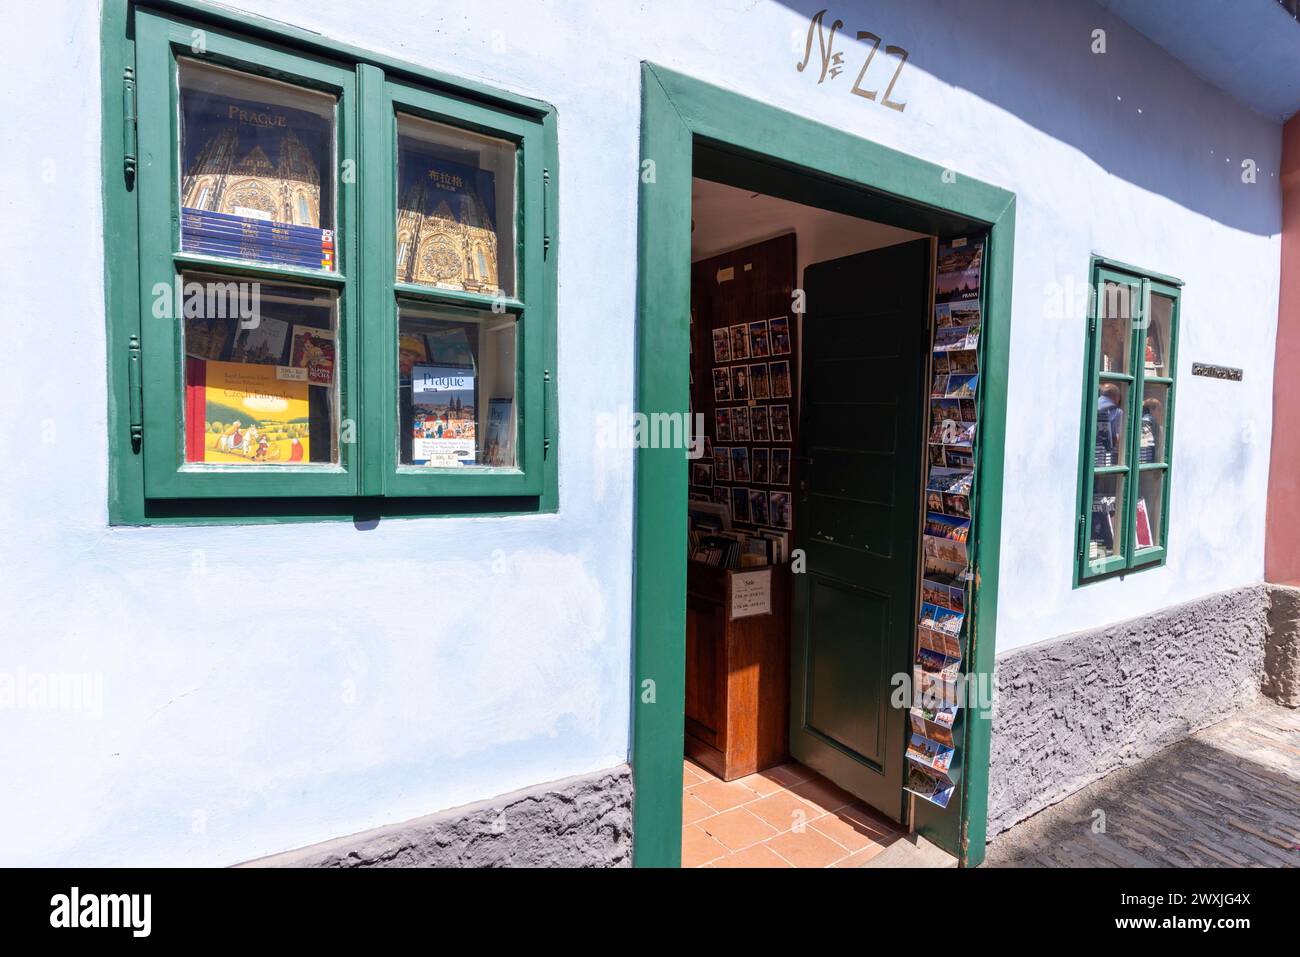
(832, 60)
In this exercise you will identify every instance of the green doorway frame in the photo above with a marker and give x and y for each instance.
(691, 128)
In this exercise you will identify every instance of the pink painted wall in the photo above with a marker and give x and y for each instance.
(1282, 542)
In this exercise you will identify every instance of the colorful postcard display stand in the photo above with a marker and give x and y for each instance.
(953, 425)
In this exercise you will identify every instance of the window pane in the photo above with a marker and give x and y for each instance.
(1150, 503)
(1105, 536)
(1112, 430)
(1157, 339)
(1152, 440)
(261, 373)
(1116, 326)
(456, 389)
(455, 208)
(257, 168)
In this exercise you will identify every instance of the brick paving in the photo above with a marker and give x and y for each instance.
(1228, 796)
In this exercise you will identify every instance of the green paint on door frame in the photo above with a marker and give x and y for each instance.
(839, 170)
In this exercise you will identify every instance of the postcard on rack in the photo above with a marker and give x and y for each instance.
(761, 467)
(740, 424)
(759, 387)
(936, 732)
(740, 464)
(739, 342)
(945, 550)
(780, 466)
(781, 430)
(781, 509)
(721, 346)
(780, 375)
(758, 510)
(759, 421)
(721, 385)
(929, 753)
(780, 335)
(721, 463)
(759, 346)
(934, 789)
(938, 641)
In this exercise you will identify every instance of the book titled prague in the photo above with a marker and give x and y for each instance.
(499, 443)
(443, 416)
(446, 222)
(252, 185)
(243, 414)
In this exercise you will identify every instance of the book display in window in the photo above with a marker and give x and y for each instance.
(953, 427)
(450, 227)
(256, 168)
(456, 390)
(260, 383)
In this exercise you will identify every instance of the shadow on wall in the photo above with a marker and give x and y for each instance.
(1137, 112)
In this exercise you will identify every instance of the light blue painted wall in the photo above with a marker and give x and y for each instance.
(488, 655)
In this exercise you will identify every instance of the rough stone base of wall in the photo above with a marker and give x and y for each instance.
(583, 821)
(1070, 710)
(1282, 646)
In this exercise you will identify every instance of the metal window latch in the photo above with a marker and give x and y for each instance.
(128, 125)
(546, 212)
(548, 412)
(135, 398)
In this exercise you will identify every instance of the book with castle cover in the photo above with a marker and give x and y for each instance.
(244, 414)
(256, 180)
(446, 221)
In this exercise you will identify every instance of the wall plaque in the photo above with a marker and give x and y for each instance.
(1216, 372)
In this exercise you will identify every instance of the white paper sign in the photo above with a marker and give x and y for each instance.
(751, 593)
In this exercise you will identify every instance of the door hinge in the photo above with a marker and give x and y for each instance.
(128, 125)
(546, 212)
(135, 398)
(548, 412)
(1083, 524)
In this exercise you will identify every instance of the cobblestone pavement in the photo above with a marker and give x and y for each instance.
(1228, 796)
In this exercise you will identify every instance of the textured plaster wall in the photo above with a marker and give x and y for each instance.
(583, 821)
(1073, 709)
(266, 688)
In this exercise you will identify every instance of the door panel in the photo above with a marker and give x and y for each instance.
(856, 515)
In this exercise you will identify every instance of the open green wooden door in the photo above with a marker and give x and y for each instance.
(864, 353)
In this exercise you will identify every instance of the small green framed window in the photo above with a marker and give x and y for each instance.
(1126, 448)
(345, 290)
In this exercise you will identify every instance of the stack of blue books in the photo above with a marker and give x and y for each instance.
(239, 237)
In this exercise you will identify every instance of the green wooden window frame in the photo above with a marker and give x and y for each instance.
(1142, 285)
(150, 481)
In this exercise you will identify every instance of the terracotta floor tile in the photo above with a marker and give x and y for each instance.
(737, 828)
(873, 821)
(722, 795)
(783, 810)
(760, 784)
(852, 833)
(823, 794)
(694, 810)
(808, 848)
(690, 776)
(700, 770)
(760, 855)
(698, 848)
(787, 775)
(859, 858)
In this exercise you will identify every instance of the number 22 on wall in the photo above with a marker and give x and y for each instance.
(832, 60)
